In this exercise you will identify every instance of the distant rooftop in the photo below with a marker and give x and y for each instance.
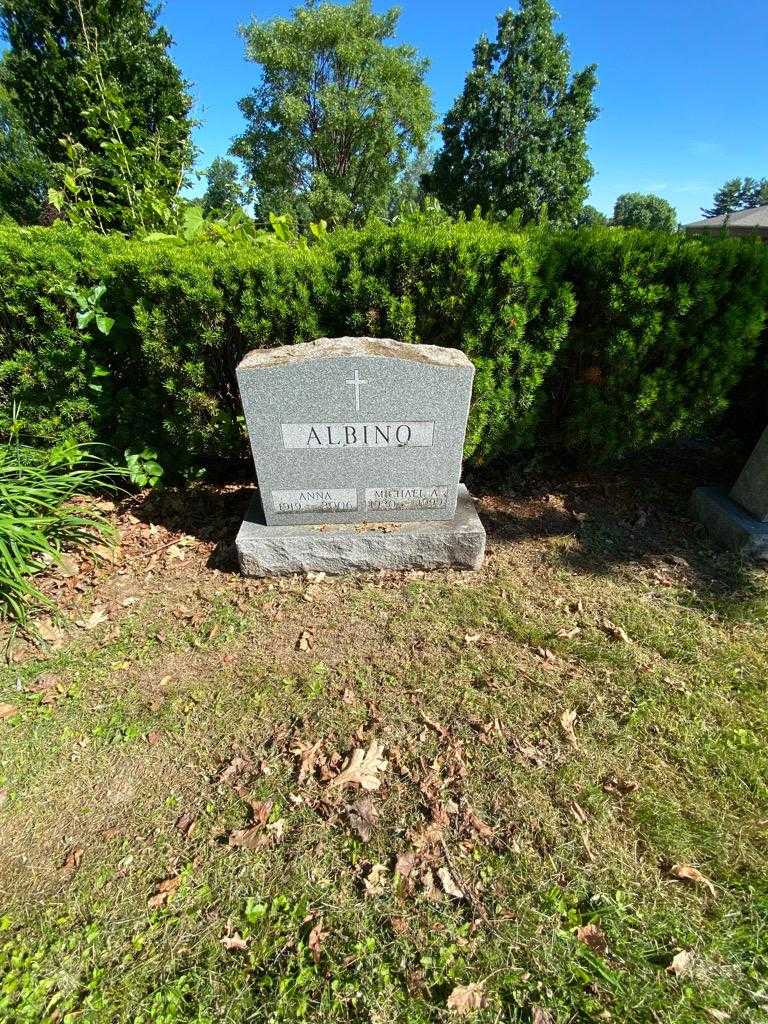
(740, 222)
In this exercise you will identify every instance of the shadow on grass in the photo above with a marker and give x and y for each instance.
(629, 512)
(637, 511)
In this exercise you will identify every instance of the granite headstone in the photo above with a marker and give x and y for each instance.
(353, 431)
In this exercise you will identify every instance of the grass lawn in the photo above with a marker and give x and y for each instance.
(571, 819)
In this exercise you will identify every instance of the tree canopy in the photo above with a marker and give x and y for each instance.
(515, 137)
(635, 210)
(739, 194)
(225, 192)
(97, 90)
(24, 172)
(338, 114)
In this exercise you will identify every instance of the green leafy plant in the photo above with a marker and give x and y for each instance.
(43, 513)
(90, 309)
(143, 468)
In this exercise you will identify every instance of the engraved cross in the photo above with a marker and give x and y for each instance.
(356, 383)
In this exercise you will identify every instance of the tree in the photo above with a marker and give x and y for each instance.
(224, 193)
(634, 210)
(739, 195)
(590, 217)
(24, 172)
(408, 191)
(98, 92)
(515, 138)
(337, 115)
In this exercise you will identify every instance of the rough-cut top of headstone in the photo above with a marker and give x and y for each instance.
(330, 348)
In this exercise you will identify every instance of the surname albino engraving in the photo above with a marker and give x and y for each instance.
(403, 434)
(382, 499)
(316, 499)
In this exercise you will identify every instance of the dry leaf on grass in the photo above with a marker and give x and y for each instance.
(234, 942)
(449, 886)
(593, 936)
(567, 721)
(164, 890)
(615, 632)
(466, 998)
(184, 822)
(260, 833)
(73, 859)
(363, 768)
(97, 617)
(477, 824)
(154, 736)
(362, 816)
(7, 711)
(304, 643)
(686, 873)
(376, 880)
(681, 964)
(542, 1016)
(315, 940)
(308, 754)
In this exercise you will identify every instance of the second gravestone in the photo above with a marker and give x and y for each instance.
(348, 433)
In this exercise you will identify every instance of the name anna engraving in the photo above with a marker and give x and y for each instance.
(403, 434)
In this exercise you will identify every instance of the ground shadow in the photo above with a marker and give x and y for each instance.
(637, 510)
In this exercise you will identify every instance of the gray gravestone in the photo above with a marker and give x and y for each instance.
(352, 431)
(740, 521)
(751, 489)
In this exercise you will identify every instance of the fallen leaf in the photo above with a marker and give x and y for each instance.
(619, 787)
(234, 942)
(717, 1015)
(568, 634)
(68, 566)
(258, 834)
(448, 884)
(593, 936)
(405, 864)
(304, 643)
(308, 754)
(7, 711)
(73, 859)
(96, 618)
(363, 769)
(154, 736)
(542, 1016)
(3, 796)
(567, 720)
(164, 890)
(472, 638)
(236, 768)
(686, 873)
(466, 998)
(174, 551)
(51, 634)
(316, 939)
(477, 824)
(376, 880)
(681, 964)
(615, 632)
(184, 822)
(362, 816)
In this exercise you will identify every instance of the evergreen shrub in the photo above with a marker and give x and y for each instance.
(595, 342)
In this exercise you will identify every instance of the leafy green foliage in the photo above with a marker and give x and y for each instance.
(515, 138)
(652, 213)
(593, 341)
(590, 217)
(738, 194)
(38, 518)
(96, 89)
(143, 468)
(337, 114)
(225, 192)
(24, 172)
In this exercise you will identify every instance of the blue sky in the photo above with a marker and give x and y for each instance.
(683, 83)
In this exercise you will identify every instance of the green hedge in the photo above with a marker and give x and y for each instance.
(593, 342)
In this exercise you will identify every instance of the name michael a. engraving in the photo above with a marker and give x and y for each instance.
(403, 434)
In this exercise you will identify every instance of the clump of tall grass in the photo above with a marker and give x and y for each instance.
(42, 516)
